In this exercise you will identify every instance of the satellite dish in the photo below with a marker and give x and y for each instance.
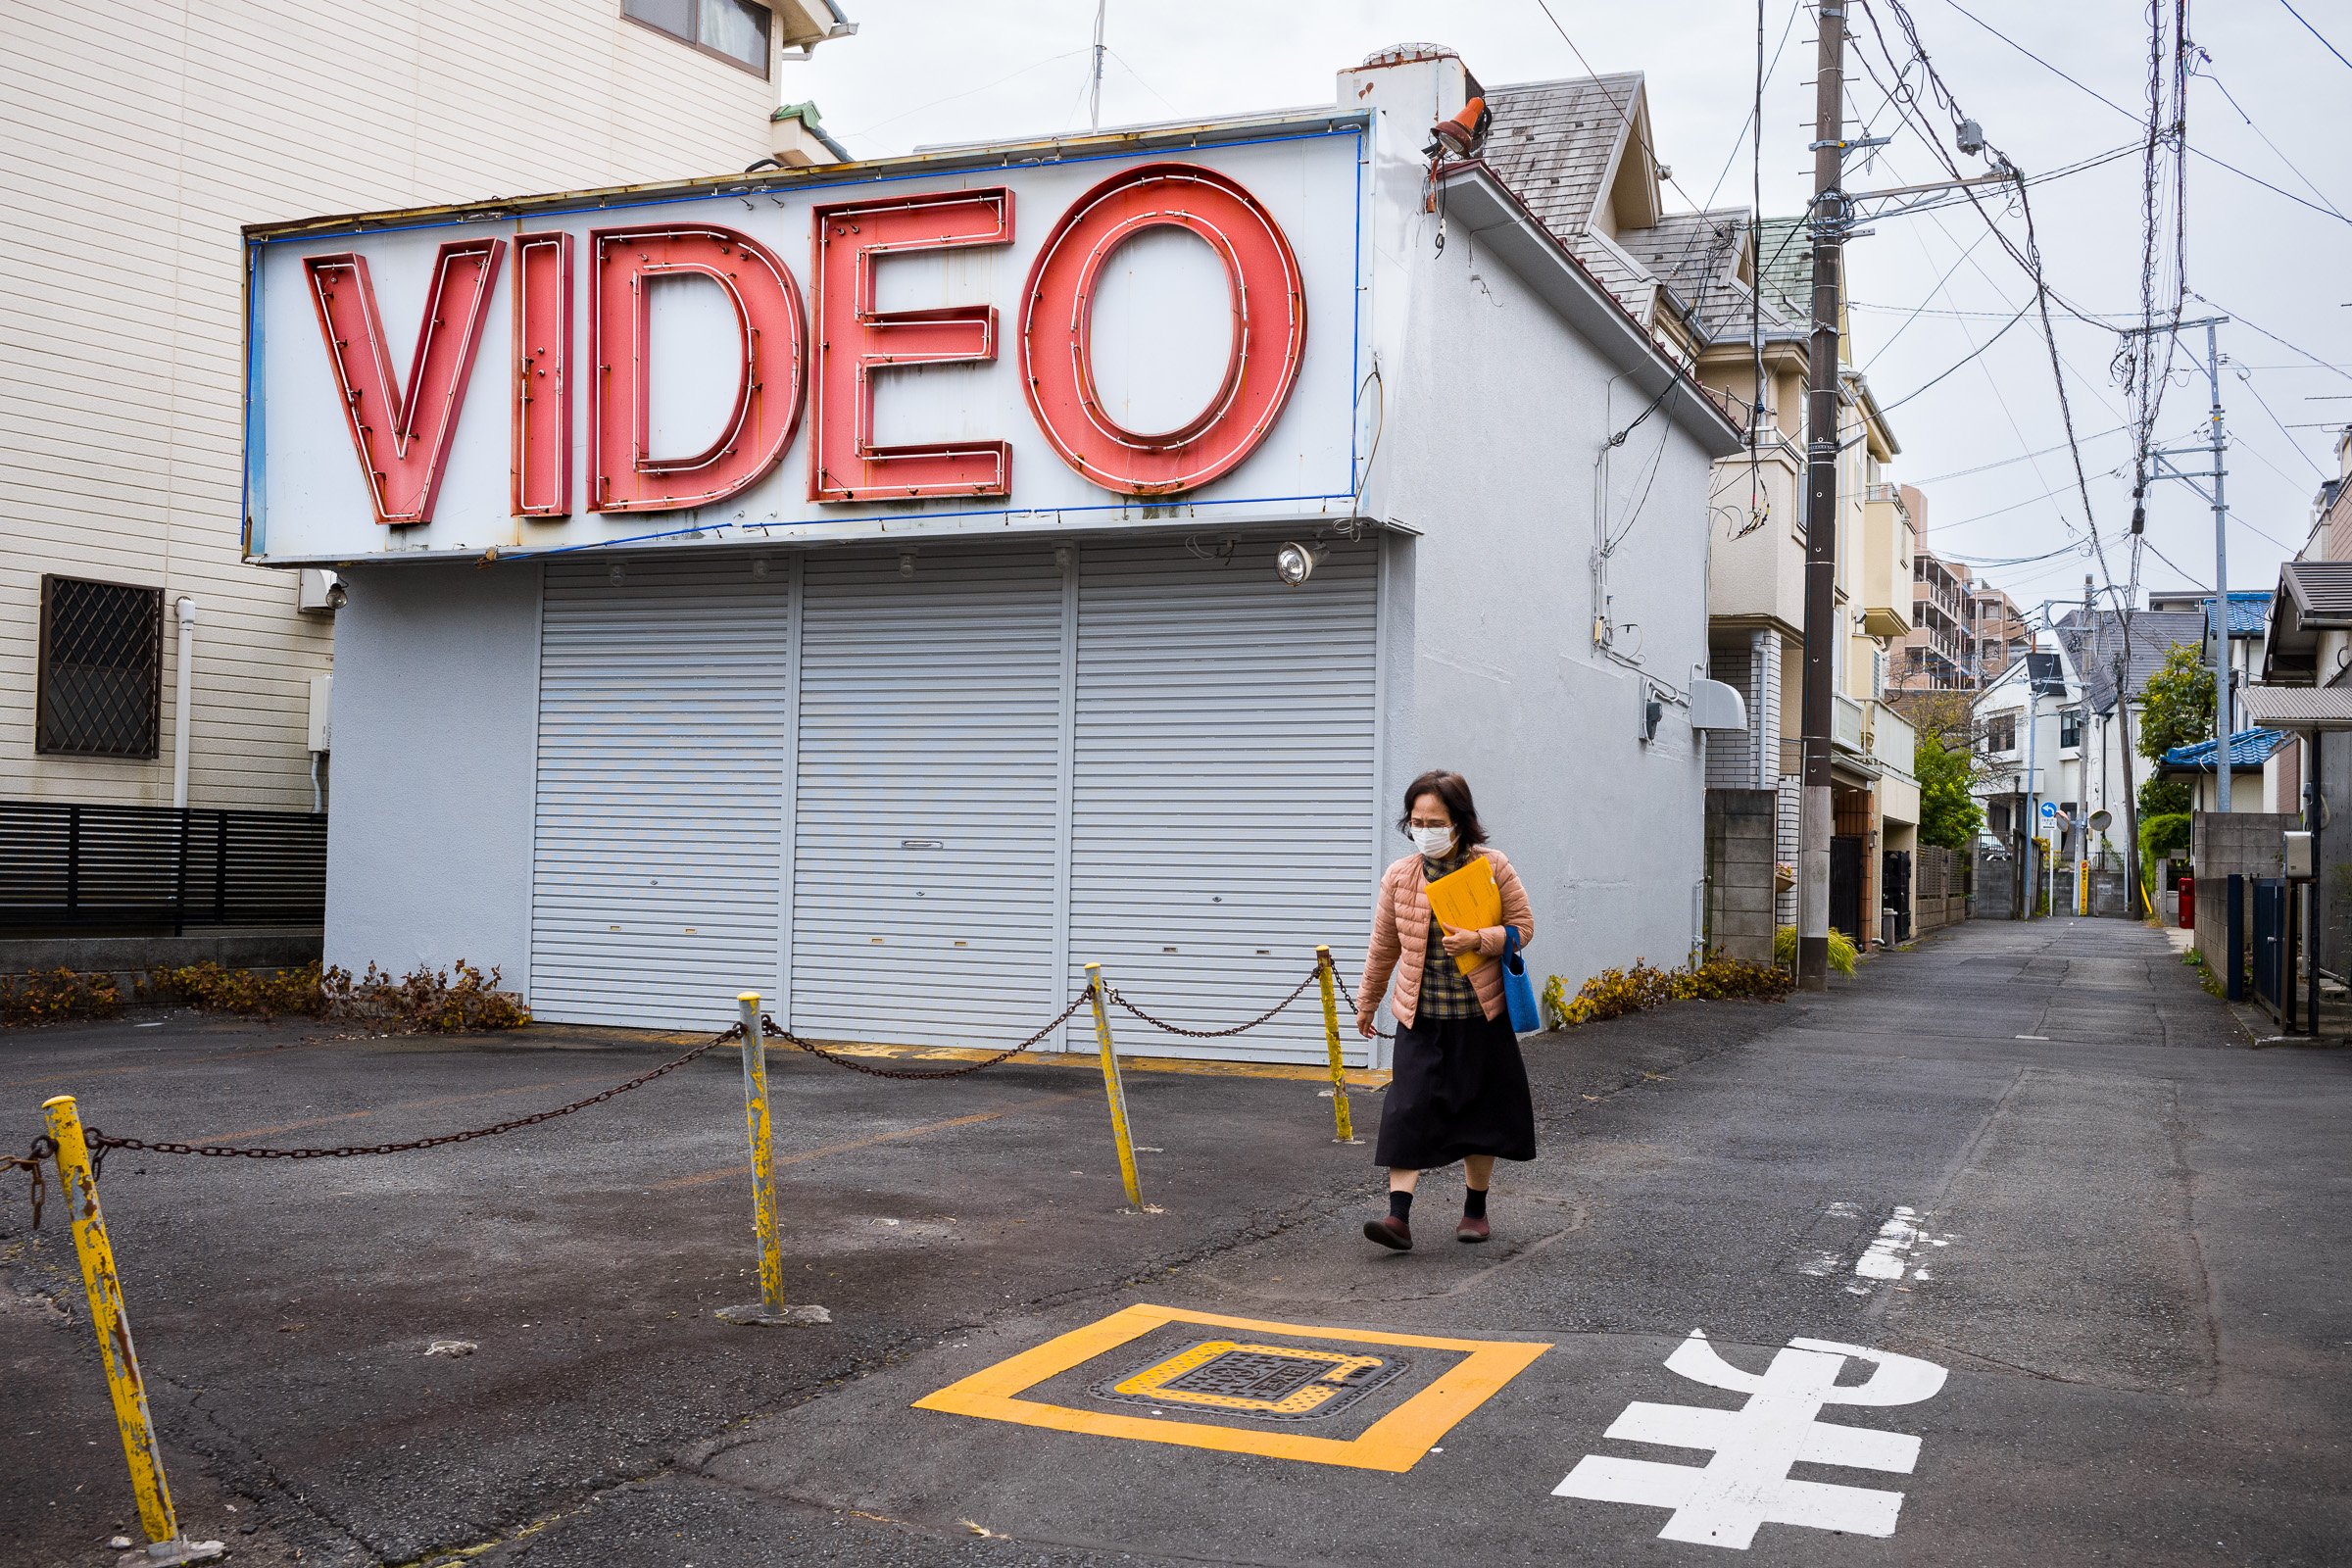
(2100, 821)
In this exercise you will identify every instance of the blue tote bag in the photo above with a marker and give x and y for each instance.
(1518, 991)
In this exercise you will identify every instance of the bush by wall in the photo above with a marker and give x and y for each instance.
(426, 1002)
(1842, 949)
(1614, 993)
(51, 996)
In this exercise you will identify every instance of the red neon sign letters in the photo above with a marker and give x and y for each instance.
(1269, 330)
(855, 341)
(543, 375)
(402, 435)
(403, 431)
(627, 477)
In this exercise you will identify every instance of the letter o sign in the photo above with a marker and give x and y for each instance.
(1269, 330)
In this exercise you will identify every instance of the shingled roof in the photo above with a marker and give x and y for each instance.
(1698, 256)
(2093, 644)
(1558, 146)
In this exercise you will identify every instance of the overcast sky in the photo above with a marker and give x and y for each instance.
(937, 71)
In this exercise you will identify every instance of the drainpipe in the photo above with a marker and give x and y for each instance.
(186, 610)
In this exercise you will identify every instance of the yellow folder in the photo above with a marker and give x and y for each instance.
(1468, 901)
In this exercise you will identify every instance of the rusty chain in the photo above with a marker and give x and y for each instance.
(772, 1030)
(30, 1163)
(44, 1148)
(1268, 1017)
(101, 1141)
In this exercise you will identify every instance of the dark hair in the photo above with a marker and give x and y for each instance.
(1454, 791)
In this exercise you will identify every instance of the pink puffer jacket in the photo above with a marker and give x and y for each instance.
(1401, 938)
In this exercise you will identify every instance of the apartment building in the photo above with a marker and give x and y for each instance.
(137, 647)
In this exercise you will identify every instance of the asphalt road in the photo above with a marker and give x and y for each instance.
(2012, 1250)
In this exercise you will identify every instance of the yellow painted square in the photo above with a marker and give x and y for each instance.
(1396, 1442)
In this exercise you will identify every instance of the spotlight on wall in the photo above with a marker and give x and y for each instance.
(906, 564)
(617, 574)
(1294, 563)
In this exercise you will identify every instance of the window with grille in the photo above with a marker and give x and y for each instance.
(101, 668)
(735, 31)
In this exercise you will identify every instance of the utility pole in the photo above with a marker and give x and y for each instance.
(1821, 505)
(2216, 444)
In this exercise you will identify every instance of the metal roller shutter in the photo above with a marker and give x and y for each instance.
(664, 711)
(928, 796)
(1224, 786)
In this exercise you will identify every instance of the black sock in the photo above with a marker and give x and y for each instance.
(1474, 1202)
(1400, 1204)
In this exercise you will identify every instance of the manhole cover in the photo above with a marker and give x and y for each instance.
(1279, 1382)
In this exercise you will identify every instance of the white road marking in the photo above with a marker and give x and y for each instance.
(1887, 1257)
(1747, 1484)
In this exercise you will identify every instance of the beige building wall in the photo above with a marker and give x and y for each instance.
(138, 139)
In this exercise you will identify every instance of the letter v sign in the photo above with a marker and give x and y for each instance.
(403, 437)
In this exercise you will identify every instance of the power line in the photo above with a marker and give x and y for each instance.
(2128, 115)
(2272, 336)
(1936, 288)
(2316, 33)
(2210, 74)
(1889, 407)
(2023, 456)
(2245, 378)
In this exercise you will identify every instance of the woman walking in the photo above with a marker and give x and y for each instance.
(1460, 1090)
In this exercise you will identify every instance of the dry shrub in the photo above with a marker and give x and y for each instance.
(52, 995)
(1614, 993)
(426, 1002)
(262, 993)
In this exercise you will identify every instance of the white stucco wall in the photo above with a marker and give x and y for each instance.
(1496, 415)
(428, 848)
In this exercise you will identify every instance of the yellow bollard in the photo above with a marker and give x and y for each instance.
(770, 1308)
(1113, 1089)
(78, 1188)
(1340, 1115)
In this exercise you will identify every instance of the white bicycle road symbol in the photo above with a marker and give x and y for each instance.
(1747, 1484)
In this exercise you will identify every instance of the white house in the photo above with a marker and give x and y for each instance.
(891, 586)
(143, 662)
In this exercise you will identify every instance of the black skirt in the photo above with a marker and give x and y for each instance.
(1460, 1087)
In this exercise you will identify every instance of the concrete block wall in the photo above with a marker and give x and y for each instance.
(1785, 835)
(2247, 844)
(1741, 845)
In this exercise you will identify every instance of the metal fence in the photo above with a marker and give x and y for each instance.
(82, 867)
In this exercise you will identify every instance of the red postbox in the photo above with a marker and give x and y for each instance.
(2188, 904)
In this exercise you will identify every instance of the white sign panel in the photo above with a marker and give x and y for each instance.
(898, 349)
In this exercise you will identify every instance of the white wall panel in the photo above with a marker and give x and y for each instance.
(663, 739)
(1224, 779)
(930, 726)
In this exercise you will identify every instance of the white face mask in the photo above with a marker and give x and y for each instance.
(1432, 842)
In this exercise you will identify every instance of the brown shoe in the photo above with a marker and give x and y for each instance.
(1473, 1228)
(1389, 1232)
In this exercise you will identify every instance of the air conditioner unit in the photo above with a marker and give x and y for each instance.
(319, 591)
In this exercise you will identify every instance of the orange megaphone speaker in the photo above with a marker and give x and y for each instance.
(1462, 134)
